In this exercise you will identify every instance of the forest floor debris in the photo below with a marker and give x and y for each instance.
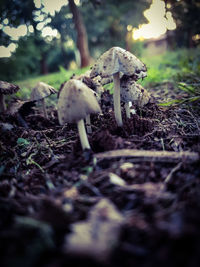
(48, 186)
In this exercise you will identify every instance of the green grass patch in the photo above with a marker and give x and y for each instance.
(53, 79)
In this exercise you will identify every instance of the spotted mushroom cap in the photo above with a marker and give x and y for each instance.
(41, 90)
(76, 101)
(8, 88)
(134, 92)
(115, 60)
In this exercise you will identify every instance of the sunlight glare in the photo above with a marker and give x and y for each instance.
(196, 37)
(39, 17)
(30, 29)
(48, 31)
(129, 28)
(52, 6)
(37, 3)
(6, 51)
(5, 21)
(158, 23)
(77, 2)
(15, 33)
(40, 26)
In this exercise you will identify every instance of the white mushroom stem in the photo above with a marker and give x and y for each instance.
(44, 108)
(127, 108)
(88, 124)
(116, 99)
(82, 134)
(2, 103)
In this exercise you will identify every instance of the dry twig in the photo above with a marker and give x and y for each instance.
(150, 155)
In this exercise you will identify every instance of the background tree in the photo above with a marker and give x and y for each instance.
(82, 39)
(107, 26)
(24, 62)
(186, 14)
(99, 23)
(18, 12)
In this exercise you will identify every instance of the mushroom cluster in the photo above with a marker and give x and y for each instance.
(78, 97)
(113, 62)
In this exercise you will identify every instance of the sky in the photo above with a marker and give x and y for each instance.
(157, 22)
(50, 6)
(156, 26)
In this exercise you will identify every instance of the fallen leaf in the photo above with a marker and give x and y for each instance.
(97, 236)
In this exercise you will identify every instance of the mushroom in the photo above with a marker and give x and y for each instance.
(95, 84)
(76, 101)
(133, 92)
(88, 121)
(112, 62)
(40, 92)
(6, 89)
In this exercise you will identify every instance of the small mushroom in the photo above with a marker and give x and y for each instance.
(112, 62)
(76, 101)
(40, 92)
(133, 92)
(93, 84)
(6, 89)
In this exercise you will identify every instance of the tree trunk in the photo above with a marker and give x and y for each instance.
(43, 62)
(128, 40)
(190, 41)
(43, 65)
(82, 40)
(64, 55)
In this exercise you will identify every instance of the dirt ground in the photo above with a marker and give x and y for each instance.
(60, 206)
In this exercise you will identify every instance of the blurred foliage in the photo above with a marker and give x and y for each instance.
(186, 15)
(181, 68)
(54, 79)
(137, 48)
(16, 12)
(107, 26)
(106, 23)
(23, 63)
(26, 61)
(62, 22)
(175, 66)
